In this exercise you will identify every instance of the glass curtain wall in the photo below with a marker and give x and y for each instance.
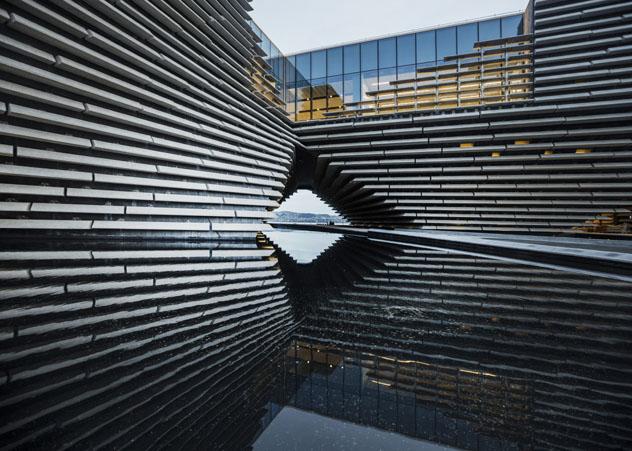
(358, 77)
(363, 77)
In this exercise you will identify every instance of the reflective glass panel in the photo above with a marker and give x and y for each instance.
(406, 50)
(319, 64)
(446, 43)
(352, 88)
(388, 53)
(334, 92)
(368, 51)
(369, 84)
(386, 77)
(467, 35)
(303, 67)
(334, 61)
(290, 69)
(489, 29)
(426, 50)
(512, 26)
(352, 58)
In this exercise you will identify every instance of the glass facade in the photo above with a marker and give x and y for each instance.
(377, 76)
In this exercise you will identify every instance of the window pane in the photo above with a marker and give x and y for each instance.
(290, 69)
(368, 51)
(467, 35)
(334, 92)
(319, 64)
(406, 73)
(352, 58)
(406, 50)
(303, 102)
(369, 84)
(334, 61)
(319, 94)
(386, 77)
(387, 51)
(303, 67)
(426, 47)
(512, 26)
(488, 30)
(446, 43)
(352, 89)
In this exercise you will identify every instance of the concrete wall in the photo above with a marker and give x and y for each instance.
(546, 165)
(135, 118)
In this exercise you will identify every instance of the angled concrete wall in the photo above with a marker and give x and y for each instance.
(121, 117)
(545, 165)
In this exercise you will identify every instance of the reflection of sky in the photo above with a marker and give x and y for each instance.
(296, 26)
(304, 201)
(304, 247)
(295, 429)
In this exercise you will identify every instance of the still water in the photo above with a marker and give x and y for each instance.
(321, 342)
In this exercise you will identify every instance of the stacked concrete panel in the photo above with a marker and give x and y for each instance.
(110, 345)
(476, 350)
(130, 118)
(545, 165)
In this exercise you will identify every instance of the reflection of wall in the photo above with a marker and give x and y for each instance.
(483, 351)
(105, 346)
(135, 118)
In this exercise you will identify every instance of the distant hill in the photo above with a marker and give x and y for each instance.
(292, 216)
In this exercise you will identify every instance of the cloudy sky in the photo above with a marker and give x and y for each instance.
(296, 25)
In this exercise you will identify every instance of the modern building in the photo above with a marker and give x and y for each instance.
(184, 119)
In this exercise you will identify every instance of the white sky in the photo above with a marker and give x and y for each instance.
(295, 25)
(304, 201)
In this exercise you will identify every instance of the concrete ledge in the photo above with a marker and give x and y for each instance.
(600, 257)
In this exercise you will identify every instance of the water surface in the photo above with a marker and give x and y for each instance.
(331, 342)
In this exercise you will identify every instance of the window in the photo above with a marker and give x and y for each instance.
(489, 30)
(406, 50)
(467, 36)
(369, 84)
(426, 49)
(303, 67)
(512, 26)
(352, 88)
(352, 58)
(386, 77)
(319, 64)
(303, 102)
(334, 62)
(290, 69)
(334, 92)
(368, 51)
(446, 43)
(387, 53)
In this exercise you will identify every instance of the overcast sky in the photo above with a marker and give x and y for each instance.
(295, 25)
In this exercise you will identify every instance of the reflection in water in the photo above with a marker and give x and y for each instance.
(228, 347)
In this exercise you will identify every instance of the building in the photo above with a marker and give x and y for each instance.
(186, 120)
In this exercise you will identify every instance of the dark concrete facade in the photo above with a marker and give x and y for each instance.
(123, 118)
(126, 118)
(544, 165)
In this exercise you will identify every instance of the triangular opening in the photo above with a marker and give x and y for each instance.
(305, 207)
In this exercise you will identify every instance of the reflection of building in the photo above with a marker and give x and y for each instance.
(482, 354)
(103, 346)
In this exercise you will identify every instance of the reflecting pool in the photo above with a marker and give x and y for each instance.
(307, 341)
